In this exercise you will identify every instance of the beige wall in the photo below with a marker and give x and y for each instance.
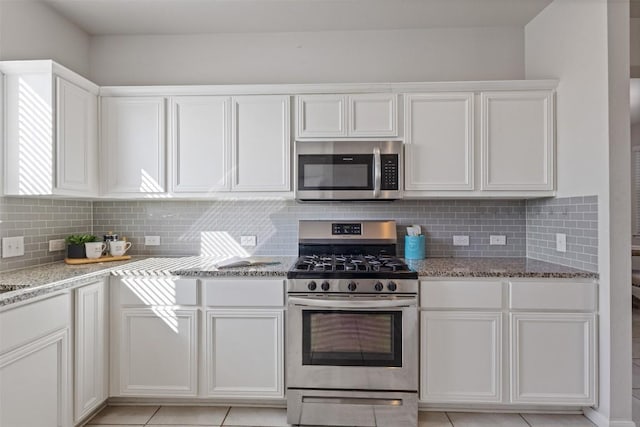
(32, 30)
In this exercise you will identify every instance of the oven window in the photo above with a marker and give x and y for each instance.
(352, 338)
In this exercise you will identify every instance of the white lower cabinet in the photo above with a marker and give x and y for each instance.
(154, 334)
(460, 356)
(244, 353)
(512, 342)
(158, 352)
(35, 376)
(90, 347)
(553, 358)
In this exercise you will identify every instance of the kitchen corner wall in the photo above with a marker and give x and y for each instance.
(577, 217)
(215, 227)
(41, 220)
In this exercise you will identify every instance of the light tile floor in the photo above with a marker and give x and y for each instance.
(217, 416)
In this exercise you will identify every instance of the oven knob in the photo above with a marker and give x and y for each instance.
(378, 286)
(392, 286)
(325, 286)
(312, 286)
(352, 286)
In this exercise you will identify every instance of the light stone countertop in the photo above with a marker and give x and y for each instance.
(23, 284)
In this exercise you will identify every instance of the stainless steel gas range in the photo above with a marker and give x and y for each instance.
(352, 328)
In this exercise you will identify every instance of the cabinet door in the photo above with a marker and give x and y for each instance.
(321, 116)
(553, 358)
(517, 140)
(460, 357)
(373, 115)
(261, 143)
(34, 384)
(200, 148)
(133, 145)
(439, 141)
(244, 353)
(90, 349)
(158, 352)
(76, 139)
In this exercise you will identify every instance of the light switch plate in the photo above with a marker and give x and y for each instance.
(248, 240)
(12, 246)
(561, 242)
(152, 240)
(460, 240)
(497, 240)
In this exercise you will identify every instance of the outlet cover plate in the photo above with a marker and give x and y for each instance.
(460, 240)
(248, 240)
(152, 240)
(12, 246)
(561, 242)
(497, 239)
(57, 245)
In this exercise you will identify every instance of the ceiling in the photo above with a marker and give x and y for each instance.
(109, 17)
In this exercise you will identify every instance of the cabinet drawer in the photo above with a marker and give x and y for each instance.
(244, 293)
(28, 322)
(552, 295)
(461, 294)
(158, 291)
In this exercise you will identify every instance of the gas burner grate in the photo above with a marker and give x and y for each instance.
(350, 263)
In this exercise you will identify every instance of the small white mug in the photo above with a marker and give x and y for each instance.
(119, 247)
(95, 249)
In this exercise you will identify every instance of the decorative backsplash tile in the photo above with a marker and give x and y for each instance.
(577, 217)
(41, 220)
(215, 227)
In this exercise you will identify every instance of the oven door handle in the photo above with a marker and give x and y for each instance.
(366, 304)
(377, 173)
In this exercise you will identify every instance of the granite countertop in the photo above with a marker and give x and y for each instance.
(495, 267)
(19, 285)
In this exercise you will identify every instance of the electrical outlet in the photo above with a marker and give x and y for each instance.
(561, 242)
(248, 240)
(460, 240)
(152, 240)
(57, 245)
(12, 246)
(497, 240)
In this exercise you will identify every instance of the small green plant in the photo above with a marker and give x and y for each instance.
(80, 239)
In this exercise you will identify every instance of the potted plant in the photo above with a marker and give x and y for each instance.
(75, 245)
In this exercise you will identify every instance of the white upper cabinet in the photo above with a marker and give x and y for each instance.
(320, 116)
(439, 141)
(77, 139)
(261, 143)
(133, 145)
(50, 116)
(200, 144)
(517, 140)
(373, 115)
(339, 116)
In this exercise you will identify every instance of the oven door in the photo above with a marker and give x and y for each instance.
(352, 342)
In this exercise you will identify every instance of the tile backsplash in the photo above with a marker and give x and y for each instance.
(41, 220)
(577, 217)
(215, 227)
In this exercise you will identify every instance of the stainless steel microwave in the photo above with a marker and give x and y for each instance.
(349, 170)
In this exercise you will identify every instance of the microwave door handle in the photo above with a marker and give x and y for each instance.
(308, 302)
(377, 172)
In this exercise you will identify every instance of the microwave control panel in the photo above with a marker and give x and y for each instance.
(389, 172)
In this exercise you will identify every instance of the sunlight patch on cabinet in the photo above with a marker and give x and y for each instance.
(161, 297)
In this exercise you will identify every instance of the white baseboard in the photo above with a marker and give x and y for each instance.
(601, 421)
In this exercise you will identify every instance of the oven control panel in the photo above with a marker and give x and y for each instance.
(369, 286)
(341, 229)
